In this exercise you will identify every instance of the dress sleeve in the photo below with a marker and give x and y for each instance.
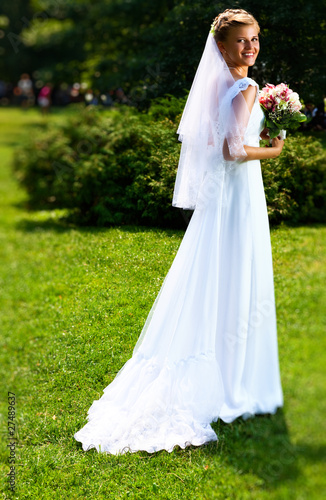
(234, 118)
(241, 85)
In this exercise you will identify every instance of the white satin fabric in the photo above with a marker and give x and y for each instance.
(208, 349)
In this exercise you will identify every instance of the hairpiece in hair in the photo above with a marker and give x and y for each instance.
(213, 26)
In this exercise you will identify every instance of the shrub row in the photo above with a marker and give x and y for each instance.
(119, 167)
(295, 182)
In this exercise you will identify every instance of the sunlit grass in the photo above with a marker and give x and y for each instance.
(73, 302)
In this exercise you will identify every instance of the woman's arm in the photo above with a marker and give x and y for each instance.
(257, 153)
(252, 152)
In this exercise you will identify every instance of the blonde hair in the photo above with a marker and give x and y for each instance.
(231, 18)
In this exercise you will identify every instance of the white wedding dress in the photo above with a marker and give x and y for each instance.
(208, 349)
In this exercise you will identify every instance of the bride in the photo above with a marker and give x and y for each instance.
(208, 349)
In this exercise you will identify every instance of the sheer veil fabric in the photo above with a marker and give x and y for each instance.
(208, 349)
(213, 120)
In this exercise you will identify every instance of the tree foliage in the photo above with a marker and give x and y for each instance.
(152, 47)
(14, 53)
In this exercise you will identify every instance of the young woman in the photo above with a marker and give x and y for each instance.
(208, 349)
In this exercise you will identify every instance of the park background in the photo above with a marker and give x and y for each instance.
(88, 234)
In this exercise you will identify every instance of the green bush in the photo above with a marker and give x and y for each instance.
(116, 168)
(119, 167)
(295, 182)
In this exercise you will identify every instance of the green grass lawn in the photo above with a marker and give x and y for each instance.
(73, 302)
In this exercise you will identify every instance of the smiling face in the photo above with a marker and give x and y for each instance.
(241, 47)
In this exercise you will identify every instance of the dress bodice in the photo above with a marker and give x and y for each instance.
(255, 125)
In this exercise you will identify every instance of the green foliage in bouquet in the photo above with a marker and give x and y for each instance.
(275, 122)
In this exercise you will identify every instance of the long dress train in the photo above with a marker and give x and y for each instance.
(208, 349)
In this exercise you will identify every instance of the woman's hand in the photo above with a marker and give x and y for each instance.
(277, 145)
(264, 135)
(258, 153)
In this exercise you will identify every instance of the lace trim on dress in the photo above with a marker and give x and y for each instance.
(243, 84)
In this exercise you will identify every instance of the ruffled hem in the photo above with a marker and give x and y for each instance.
(177, 432)
(166, 406)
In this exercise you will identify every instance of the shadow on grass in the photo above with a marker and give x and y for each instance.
(261, 446)
(64, 224)
(17, 140)
(59, 225)
(50, 220)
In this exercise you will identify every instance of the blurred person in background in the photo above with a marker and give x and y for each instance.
(44, 98)
(24, 91)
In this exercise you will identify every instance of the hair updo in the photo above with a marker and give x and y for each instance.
(231, 18)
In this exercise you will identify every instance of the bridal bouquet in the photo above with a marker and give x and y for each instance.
(281, 107)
